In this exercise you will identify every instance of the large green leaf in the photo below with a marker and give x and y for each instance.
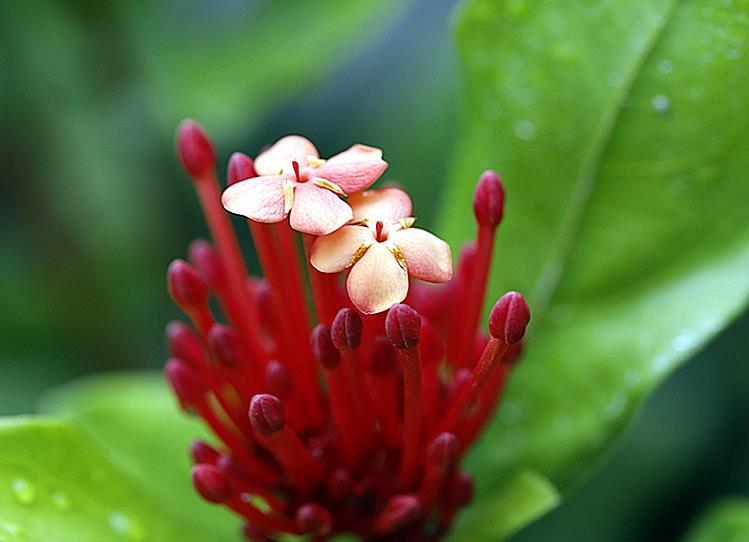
(135, 421)
(56, 486)
(621, 135)
(727, 520)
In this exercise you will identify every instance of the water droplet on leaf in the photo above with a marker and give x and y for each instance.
(525, 130)
(126, 527)
(661, 103)
(665, 66)
(23, 492)
(61, 502)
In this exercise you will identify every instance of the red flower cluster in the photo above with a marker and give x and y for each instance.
(357, 424)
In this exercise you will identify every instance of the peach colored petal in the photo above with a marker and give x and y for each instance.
(353, 169)
(377, 281)
(386, 204)
(427, 256)
(260, 199)
(318, 211)
(335, 252)
(280, 155)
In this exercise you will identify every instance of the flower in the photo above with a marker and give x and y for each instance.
(376, 451)
(294, 180)
(382, 250)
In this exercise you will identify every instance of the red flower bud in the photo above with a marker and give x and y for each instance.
(444, 450)
(399, 511)
(489, 200)
(346, 330)
(211, 483)
(226, 345)
(509, 318)
(460, 490)
(185, 382)
(278, 379)
(402, 326)
(187, 287)
(323, 348)
(183, 343)
(202, 452)
(267, 414)
(206, 259)
(240, 168)
(195, 149)
(314, 519)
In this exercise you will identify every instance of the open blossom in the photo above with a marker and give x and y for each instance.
(294, 180)
(382, 250)
(326, 421)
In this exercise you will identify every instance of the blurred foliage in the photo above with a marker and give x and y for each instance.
(622, 141)
(727, 520)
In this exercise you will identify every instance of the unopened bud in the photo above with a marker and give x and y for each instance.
(399, 511)
(402, 326)
(183, 343)
(314, 519)
(267, 414)
(278, 379)
(226, 345)
(207, 261)
(187, 287)
(443, 450)
(346, 330)
(323, 348)
(489, 200)
(460, 490)
(202, 452)
(240, 168)
(195, 149)
(211, 483)
(509, 318)
(185, 382)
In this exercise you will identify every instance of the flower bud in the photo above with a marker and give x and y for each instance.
(183, 343)
(202, 452)
(346, 330)
(443, 451)
(185, 382)
(278, 379)
(187, 287)
(489, 200)
(399, 511)
(211, 483)
(314, 519)
(195, 149)
(240, 168)
(226, 345)
(323, 348)
(267, 414)
(206, 259)
(402, 326)
(460, 490)
(509, 318)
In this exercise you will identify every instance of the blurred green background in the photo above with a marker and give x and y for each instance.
(94, 204)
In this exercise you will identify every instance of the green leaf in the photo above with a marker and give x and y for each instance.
(621, 136)
(524, 498)
(230, 73)
(727, 520)
(130, 417)
(56, 486)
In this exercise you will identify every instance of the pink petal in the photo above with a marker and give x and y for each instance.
(353, 169)
(260, 199)
(387, 204)
(333, 253)
(377, 281)
(318, 211)
(280, 155)
(427, 256)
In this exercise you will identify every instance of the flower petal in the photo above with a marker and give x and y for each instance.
(427, 256)
(279, 156)
(335, 252)
(318, 211)
(377, 281)
(353, 169)
(386, 204)
(260, 199)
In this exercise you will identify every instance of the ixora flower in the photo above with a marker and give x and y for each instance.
(294, 180)
(382, 250)
(352, 422)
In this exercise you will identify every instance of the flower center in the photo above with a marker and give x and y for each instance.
(380, 234)
(295, 165)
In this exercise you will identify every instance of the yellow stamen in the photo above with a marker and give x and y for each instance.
(324, 183)
(288, 196)
(399, 257)
(406, 222)
(359, 252)
(314, 161)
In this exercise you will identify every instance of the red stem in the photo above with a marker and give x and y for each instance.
(412, 418)
(259, 519)
(324, 288)
(341, 411)
(303, 470)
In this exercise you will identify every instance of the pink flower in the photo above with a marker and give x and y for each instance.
(294, 180)
(382, 250)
